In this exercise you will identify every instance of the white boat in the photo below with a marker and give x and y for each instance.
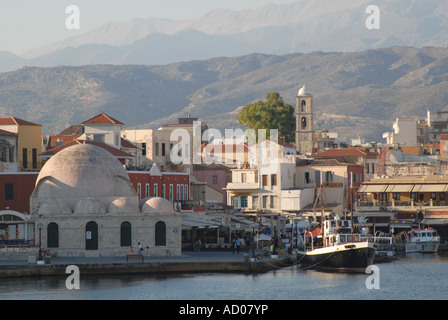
(422, 240)
(340, 250)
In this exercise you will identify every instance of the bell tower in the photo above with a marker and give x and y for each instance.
(304, 121)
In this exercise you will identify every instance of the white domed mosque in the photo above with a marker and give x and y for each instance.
(86, 205)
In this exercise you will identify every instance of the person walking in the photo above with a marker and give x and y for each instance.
(238, 245)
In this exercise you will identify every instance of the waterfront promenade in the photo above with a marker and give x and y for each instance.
(188, 262)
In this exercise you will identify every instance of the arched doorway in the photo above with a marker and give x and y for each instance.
(160, 234)
(91, 235)
(125, 234)
(53, 235)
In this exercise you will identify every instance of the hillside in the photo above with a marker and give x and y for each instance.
(357, 94)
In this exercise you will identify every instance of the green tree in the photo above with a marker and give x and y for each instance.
(270, 114)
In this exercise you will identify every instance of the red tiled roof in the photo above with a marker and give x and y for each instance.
(102, 118)
(116, 152)
(4, 133)
(52, 139)
(16, 121)
(127, 144)
(344, 152)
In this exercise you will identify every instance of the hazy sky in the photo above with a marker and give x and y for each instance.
(27, 24)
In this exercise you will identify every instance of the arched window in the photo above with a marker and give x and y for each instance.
(91, 235)
(303, 122)
(53, 235)
(160, 234)
(303, 106)
(125, 234)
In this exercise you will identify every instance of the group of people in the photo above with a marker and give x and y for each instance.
(140, 249)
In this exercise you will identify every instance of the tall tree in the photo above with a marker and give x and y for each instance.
(270, 114)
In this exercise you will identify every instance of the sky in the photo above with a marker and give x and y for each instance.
(27, 24)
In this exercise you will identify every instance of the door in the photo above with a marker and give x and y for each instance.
(92, 236)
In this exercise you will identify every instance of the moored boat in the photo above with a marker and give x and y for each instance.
(340, 250)
(422, 240)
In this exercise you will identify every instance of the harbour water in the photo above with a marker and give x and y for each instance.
(411, 277)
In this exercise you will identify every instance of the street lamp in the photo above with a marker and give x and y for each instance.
(40, 226)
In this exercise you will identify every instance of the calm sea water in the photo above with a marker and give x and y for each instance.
(415, 277)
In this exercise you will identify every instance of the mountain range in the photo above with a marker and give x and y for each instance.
(302, 26)
(357, 94)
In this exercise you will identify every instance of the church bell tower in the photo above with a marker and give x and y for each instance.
(304, 122)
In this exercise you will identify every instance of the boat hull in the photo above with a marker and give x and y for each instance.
(349, 257)
(422, 247)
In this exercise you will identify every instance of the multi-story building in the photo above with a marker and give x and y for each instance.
(29, 142)
(397, 202)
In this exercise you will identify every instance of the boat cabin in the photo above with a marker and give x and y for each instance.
(338, 232)
(428, 234)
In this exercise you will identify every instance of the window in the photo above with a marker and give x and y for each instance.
(303, 123)
(125, 234)
(414, 196)
(265, 201)
(442, 196)
(235, 202)
(9, 191)
(383, 197)
(156, 190)
(144, 149)
(186, 192)
(163, 191)
(243, 178)
(139, 190)
(433, 196)
(254, 202)
(177, 192)
(317, 176)
(163, 149)
(215, 179)
(264, 180)
(25, 158)
(147, 190)
(307, 177)
(303, 106)
(98, 137)
(244, 202)
(171, 192)
(273, 180)
(117, 140)
(34, 155)
(373, 168)
(157, 149)
(181, 192)
(160, 234)
(396, 195)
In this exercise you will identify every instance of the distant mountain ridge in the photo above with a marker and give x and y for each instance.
(357, 94)
(302, 26)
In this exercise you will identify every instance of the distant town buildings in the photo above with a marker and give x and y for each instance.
(121, 186)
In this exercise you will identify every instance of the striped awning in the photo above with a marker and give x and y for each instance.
(399, 188)
(430, 188)
(372, 188)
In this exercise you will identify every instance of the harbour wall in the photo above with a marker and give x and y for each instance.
(129, 268)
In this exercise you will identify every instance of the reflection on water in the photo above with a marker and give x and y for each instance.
(411, 277)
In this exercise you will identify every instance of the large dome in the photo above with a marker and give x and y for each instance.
(83, 171)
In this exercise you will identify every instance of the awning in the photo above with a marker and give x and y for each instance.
(373, 188)
(399, 188)
(430, 188)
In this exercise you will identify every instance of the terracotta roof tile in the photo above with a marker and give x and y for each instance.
(102, 118)
(16, 121)
(116, 152)
(344, 152)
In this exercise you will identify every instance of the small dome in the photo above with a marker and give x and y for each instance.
(143, 200)
(54, 206)
(124, 205)
(157, 205)
(89, 206)
(302, 91)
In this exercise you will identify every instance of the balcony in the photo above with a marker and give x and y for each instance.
(242, 186)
